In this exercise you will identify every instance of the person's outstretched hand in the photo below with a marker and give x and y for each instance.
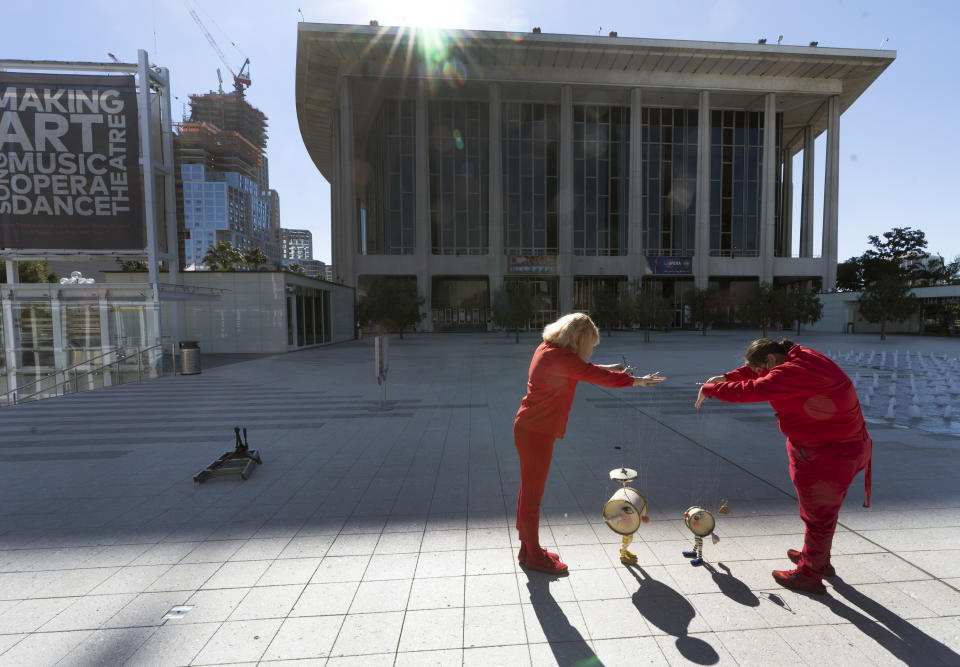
(648, 380)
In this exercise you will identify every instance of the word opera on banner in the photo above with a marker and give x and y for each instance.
(69, 163)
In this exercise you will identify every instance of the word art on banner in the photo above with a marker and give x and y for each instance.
(69, 163)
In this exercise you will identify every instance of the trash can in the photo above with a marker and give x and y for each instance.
(189, 357)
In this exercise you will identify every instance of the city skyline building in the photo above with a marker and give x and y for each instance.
(223, 180)
(484, 159)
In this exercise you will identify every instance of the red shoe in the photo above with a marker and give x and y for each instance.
(796, 581)
(523, 553)
(546, 564)
(794, 557)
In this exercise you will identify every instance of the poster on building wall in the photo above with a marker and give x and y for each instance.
(672, 266)
(69, 163)
(532, 264)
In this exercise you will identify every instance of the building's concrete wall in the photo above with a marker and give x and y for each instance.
(840, 309)
(250, 316)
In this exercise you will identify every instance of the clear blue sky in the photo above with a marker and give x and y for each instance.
(899, 142)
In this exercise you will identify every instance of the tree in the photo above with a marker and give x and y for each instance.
(222, 256)
(608, 307)
(937, 271)
(765, 306)
(650, 310)
(806, 308)
(255, 258)
(296, 268)
(391, 302)
(514, 306)
(886, 299)
(702, 304)
(33, 272)
(132, 265)
(850, 275)
(901, 251)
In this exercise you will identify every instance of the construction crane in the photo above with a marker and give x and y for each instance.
(241, 81)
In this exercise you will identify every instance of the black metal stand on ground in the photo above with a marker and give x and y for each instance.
(239, 461)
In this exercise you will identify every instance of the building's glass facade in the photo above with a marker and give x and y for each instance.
(459, 171)
(222, 206)
(387, 194)
(669, 154)
(531, 143)
(736, 177)
(601, 169)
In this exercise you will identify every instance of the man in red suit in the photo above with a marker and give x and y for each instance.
(561, 360)
(827, 441)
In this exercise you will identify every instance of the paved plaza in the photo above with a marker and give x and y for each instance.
(385, 536)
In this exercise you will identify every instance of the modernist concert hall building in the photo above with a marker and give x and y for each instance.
(466, 160)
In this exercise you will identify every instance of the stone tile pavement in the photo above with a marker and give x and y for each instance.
(385, 536)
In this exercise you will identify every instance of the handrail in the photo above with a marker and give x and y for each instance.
(139, 354)
(64, 370)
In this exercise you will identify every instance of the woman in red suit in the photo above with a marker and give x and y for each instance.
(827, 440)
(561, 360)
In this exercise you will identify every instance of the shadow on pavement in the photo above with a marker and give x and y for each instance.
(732, 587)
(568, 645)
(671, 612)
(902, 639)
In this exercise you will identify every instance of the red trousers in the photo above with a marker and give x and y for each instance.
(822, 475)
(535, 450)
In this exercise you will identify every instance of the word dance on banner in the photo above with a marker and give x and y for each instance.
(69, 163)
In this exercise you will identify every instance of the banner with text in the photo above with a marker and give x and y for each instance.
(69, 163)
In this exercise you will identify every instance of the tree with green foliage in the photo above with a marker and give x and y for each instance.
(650, 309)
(514, 306)
(391, 303)
(133, 265)
(255, 258)
(296, 268)
(805, 308)
(609, 307)
(937, 271)
(850, 275)
(32, 272)
(765, 306)
(222, 256)
(702, 304)
(887, 299)
(901, 251)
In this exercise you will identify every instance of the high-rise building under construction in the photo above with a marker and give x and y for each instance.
(223, 179)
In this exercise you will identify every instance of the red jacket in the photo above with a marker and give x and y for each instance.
(814, 400)
(554, 373)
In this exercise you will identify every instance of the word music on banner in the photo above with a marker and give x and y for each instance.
(69, 163)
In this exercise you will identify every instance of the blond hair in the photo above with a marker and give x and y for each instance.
(570, 330)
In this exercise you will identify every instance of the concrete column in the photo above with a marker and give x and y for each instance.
(808, 192)
(495, 189)
(701, 268)
(13, 275)
(106, 344)
(786, 203)
(565, 205)
(831, 192)
(336, 231)
(60, 357)
(767, 188)
(9, 341)
(424, 237)
(635, 214)
(347, 224)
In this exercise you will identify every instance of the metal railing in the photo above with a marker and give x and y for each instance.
(114, 372)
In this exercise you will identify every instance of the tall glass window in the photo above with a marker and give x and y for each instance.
(601, 167)
(459, 151)
(387, 224)
(736, 178)
(669, 155)
(531, 142)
